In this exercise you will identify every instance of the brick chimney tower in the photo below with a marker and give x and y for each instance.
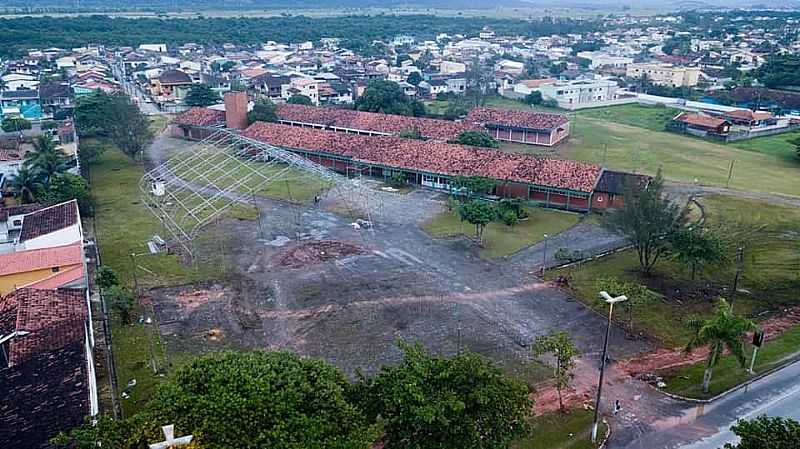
(236, 110)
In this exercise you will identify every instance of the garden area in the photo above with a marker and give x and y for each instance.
(498, 238)
(665, 301)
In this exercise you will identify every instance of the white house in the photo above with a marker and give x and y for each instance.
(302, 86)
(156, 48)
(20, 81)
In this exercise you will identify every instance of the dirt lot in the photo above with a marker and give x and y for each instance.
(306, 281)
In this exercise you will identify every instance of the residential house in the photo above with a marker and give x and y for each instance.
(47, 375)
(302, 86)
(20, 81)
(585, 93)
(170, 85)
(700, 125)
(749, 118)
(55, 96)
(21, 103)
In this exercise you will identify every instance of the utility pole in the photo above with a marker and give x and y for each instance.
(611, 301)
(730, 173)
(133, 271)
(739, 259)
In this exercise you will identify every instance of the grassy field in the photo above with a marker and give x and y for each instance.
(687, 381)
(501, 240)
(632, 138)
(560, 431)
(123, 226)
(770, 270)
(292, 185)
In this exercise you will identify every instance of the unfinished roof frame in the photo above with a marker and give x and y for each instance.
(197, 186)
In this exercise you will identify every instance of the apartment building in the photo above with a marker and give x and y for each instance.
(665, 74)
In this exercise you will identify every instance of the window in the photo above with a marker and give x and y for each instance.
(56, 269)
(17, 222)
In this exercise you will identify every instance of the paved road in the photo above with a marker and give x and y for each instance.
(708, 427)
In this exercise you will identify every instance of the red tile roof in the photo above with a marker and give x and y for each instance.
(509, 118)
(200, 117)
(46, 385)
(747, 114)
(60, 279)
(50, 219)
(703, 121)
(371, 121)
(39, 259)
(431, 156)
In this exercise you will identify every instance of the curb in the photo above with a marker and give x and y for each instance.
(795, 358)
(607, 437)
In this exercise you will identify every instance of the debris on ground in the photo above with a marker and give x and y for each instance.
(192, 299)
(310, 253)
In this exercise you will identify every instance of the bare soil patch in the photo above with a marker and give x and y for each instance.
(313, 252)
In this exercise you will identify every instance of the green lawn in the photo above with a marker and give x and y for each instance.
(687, 159)
(687, 381)
(632, 138)
(501, 240)
(123, 226)
(293, 185)
(561, 431)
(772, 237)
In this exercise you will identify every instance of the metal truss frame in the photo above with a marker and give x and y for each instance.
(197, 186)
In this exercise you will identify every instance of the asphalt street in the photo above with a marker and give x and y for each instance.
(708, 426)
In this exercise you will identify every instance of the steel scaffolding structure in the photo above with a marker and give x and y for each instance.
(196, 186)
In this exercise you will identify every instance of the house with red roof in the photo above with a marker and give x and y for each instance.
(699, 124)
(47, 376)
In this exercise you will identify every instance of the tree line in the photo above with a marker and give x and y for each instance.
(357, 31)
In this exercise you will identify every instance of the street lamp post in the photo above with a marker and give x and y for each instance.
(611, 301)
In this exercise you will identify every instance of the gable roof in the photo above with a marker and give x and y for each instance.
(48, 220)
(39, 259)
(199, 116)
(747, 114)
(516, 119)
(46, 385)
(614, 182)
(431, 156)
(174, 77)
(703, 121)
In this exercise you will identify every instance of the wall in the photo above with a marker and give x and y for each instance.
(11, 282)
(65, 236)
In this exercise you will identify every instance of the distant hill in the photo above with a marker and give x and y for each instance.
(442, 4)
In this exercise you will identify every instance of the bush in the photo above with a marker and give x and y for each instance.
(509, 217)
(397, 180)
(106, 278)
(477, 139)
(121, 302)
(15, 124)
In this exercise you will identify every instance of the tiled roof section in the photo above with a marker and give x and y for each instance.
(53, 318)
(38, 259)
(431, 156)
(747, 114)
(700, 120)
(516, 119)
(6, 212)
(46, 395)
(200, 117)
(174, 77)
(614, 182)
(50, 219)
(371, 121)
(61, 279)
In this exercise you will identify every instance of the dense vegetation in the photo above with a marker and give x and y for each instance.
(280, 400)
(20, 34)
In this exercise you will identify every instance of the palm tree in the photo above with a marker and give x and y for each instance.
(26, 184)
(725, 330)
(46, 159)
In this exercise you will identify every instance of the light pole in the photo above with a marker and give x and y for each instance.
(611, 301)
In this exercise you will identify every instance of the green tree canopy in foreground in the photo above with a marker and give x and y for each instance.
(430, 402)
(766, 432)
(300, 99)
(244, 400)
(263, 111)
(477, 139)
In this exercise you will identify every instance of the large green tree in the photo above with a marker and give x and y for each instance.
(201, 95)
(300, 99)
(115, 117)
(478, 213)
(246, 400)
(477, 139)
(647, 219)
(780, 71)
(638, 295)
(388, 97)
(15, 124)
(65, 187)
(26, 185)
(564, 351)
(46, 159)
(698, 247)
(433, 402)
(766, 432)
(263, 111)
(724, 330)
